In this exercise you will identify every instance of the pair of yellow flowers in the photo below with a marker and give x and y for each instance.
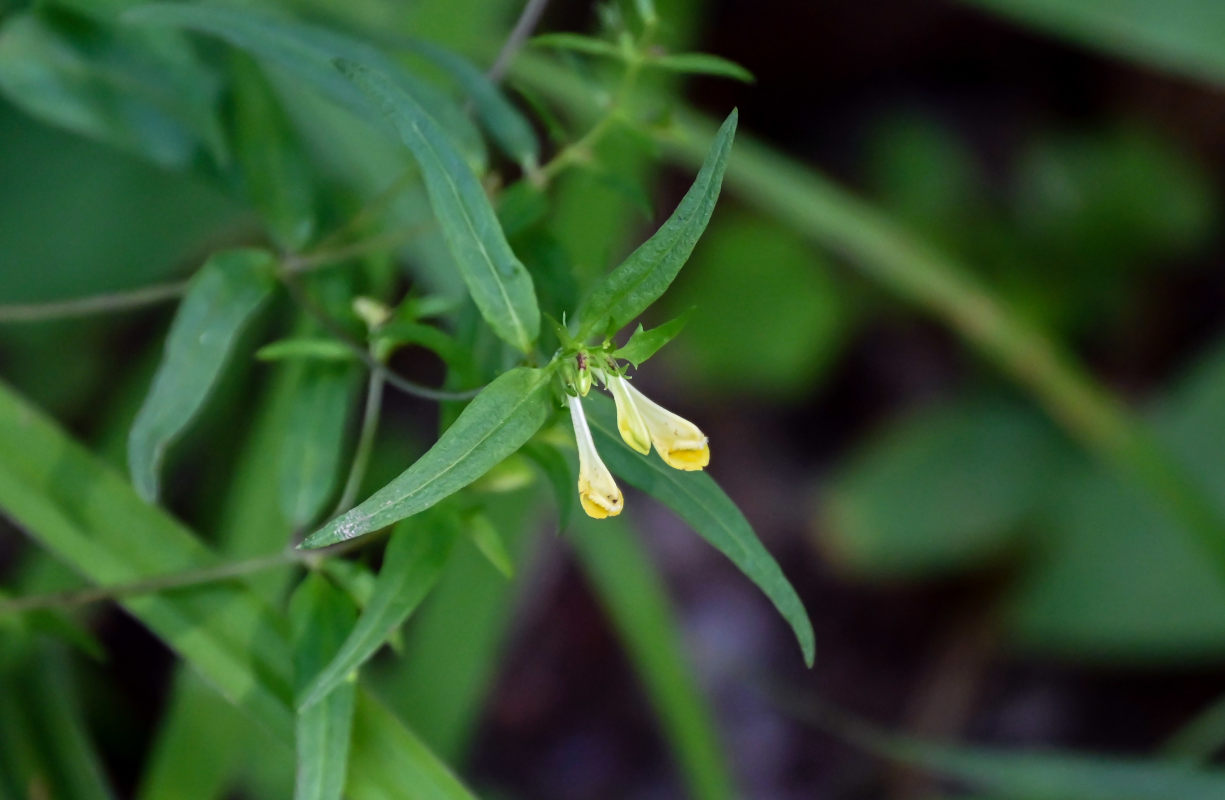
(642, 423)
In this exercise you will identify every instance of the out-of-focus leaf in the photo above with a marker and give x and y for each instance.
(46, 726)
(551, 270)
(489, 541)
(768, 316)
(702, 64)
(388, 761)
(89, 517)
(313, 448)
(1059, 775)
(698, 500)
(643, 344)
(942, 490)
(560, 475)
(508, 128)
(274, 170)
(497, 423)
(1177, 35)
(578, 43)
(520, 207)
(626, 292)
(629, 588)
(222, 297)
(499, 283)
(401, 333)
(320, 617)
(307, 348)
(415, 556)
(145, 94)
(306, 52)
(1113, 578)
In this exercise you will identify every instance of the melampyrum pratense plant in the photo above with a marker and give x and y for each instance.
(363, 170)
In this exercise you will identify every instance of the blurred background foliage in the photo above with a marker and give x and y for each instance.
(972, 571)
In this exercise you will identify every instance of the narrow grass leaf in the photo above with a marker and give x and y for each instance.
(703, 64)
(498, 282)
(489, 541)
(507, 126)
(222, 297)
(415, 556)
(627, 291)
(497, 423)
(697, 499)
(628, 587)
(577, 43)
(389, 762)
(313, 448)
(320, 617)
(562, 477)
(307, 348)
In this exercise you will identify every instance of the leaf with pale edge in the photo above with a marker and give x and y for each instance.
(499, 283)
(627, 291)
(711, 513)
(643, 344)
(497, 423)
(221, 298)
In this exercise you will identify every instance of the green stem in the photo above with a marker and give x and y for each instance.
(97, 304)
(365, 442)
(831, 217)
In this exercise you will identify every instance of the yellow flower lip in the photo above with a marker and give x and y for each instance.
(680, 443)
(598, 493)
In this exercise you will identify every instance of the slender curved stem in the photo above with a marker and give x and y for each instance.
(365, 442)
(528, 19)
(96, 304)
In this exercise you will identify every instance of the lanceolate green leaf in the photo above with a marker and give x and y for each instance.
(222, 296)
(499, 283)
(577, 43)
(646, 274)
(712, 515)
(305, 52)
(320, 617)
(703, 64)
(497, 423)
(643, 344)
(415, 556)
(508, 128)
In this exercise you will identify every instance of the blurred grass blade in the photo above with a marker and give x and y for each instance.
(146, 95)
(305, 52)
(393, 763)
(89, 517)
(495, 424)
(560, 475)
(221, 298)
(411, 565)
(1182, 36)
(499, 283)
(626, 292)
(320, 617)
(313, 447)
(577, 43)
(508, 128)
(488, 541)
(697, 499)
(307, 348)
(275, 173)
(56, 756)
(1201, 738)
(643, 344)
(630, 592)
(702, 64)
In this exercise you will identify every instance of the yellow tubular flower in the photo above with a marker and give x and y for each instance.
(597, 491)
(680, 443)
(629, 420)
